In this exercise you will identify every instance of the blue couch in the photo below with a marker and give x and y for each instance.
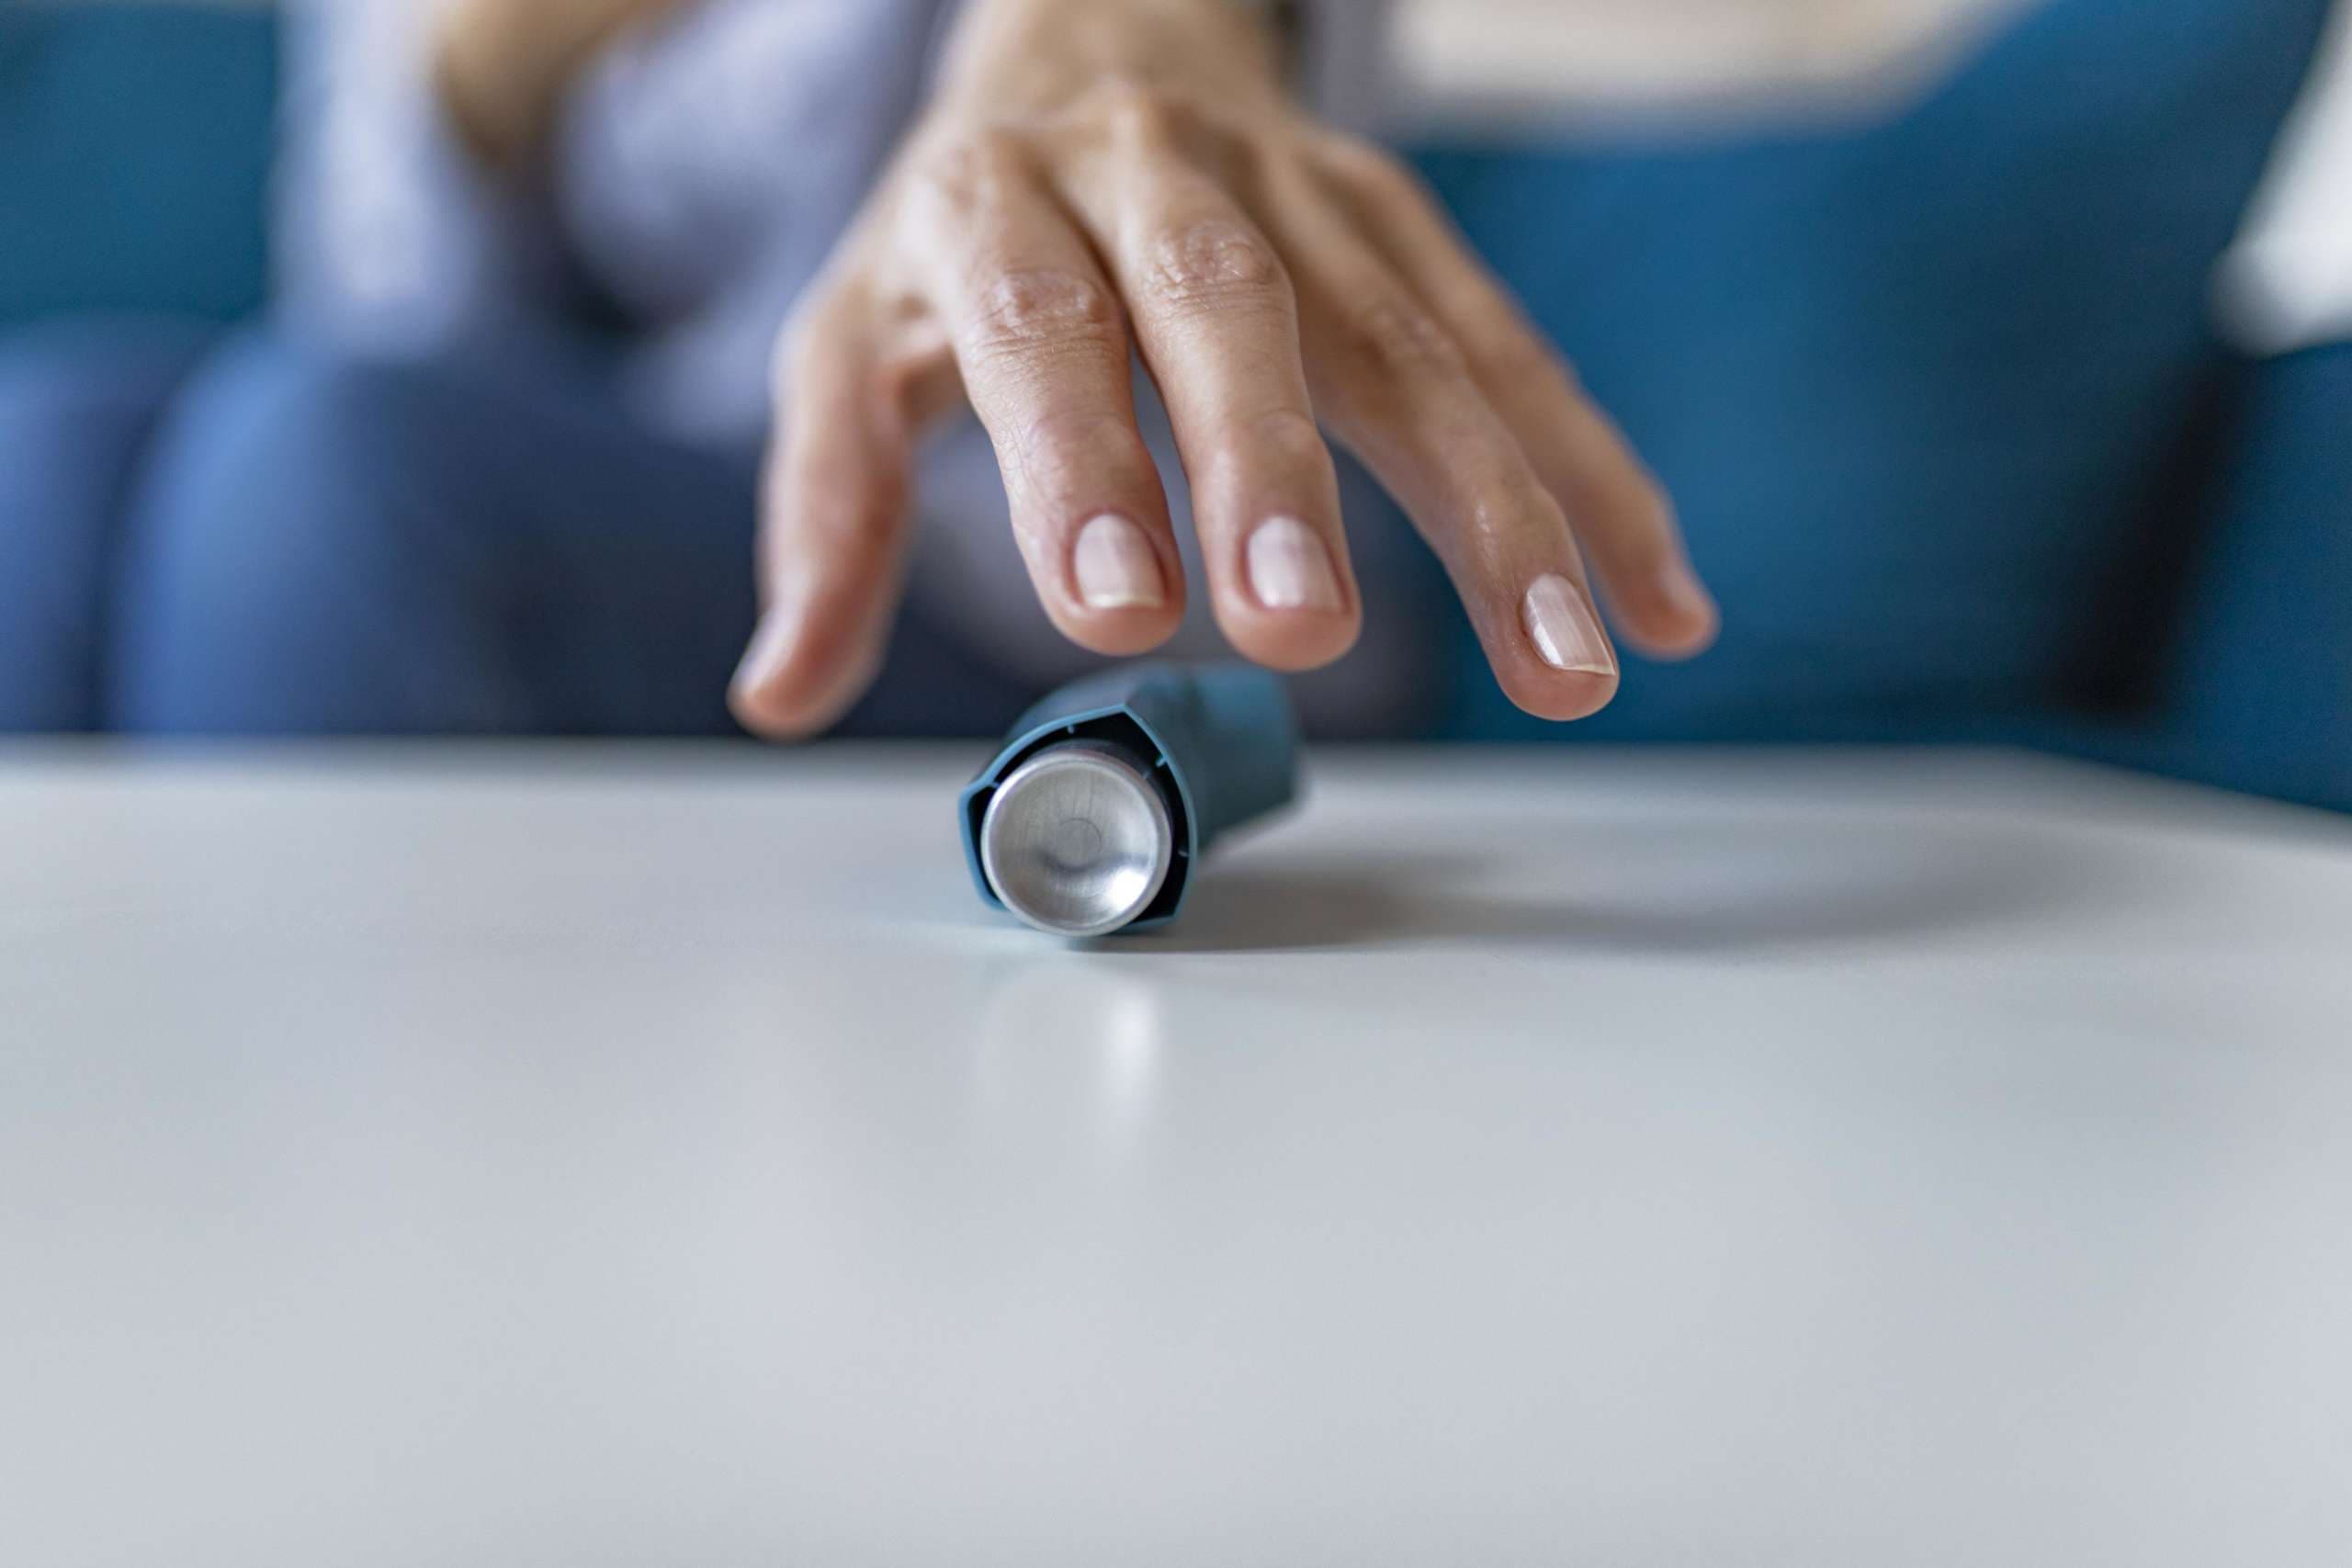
(134, 159)
(1935, 390)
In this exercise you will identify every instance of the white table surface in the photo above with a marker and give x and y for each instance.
(577, 1156)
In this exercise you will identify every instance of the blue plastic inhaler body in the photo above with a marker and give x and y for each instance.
(1218, 747)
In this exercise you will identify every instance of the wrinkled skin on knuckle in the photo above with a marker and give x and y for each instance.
(967, 173)
(1215, 264)
(1030, 313)
(1389, 335)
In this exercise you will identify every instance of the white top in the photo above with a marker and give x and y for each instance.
(2288, 283)
(572, 1156)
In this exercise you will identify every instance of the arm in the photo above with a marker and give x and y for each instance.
(504, 67)
(1101, 177)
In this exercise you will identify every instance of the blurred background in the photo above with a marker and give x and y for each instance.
(1995, 350)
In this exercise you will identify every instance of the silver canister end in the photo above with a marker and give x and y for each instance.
(1077, 841)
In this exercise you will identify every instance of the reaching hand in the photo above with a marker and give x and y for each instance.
(1101, 177)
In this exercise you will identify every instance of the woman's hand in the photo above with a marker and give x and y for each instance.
(1099, 176)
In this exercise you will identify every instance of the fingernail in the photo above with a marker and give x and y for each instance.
(1563, 629)
(1290, 568)
(771, 645)
(1115, 566)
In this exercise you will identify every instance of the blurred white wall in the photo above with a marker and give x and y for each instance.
(1516, 61)
(2288, 283)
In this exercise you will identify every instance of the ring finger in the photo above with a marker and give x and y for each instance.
(1398, 389)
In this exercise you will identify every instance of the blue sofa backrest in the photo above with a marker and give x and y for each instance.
(134, 158)
(1920, 387)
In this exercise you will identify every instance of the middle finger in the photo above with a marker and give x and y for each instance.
(1217, 324)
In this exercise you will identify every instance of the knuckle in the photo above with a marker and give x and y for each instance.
(1371, 168)
(1390, 335)
(1214, 262)
(1030, 311)
(1141, 113)
(1507, 354)
(970, 171)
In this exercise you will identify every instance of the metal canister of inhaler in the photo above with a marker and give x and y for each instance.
(1106, 796)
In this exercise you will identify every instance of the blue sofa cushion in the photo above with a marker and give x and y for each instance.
(2259, 686)
(134, 156)
(1919, 385)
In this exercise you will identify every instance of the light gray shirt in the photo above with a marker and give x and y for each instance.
(701, 173)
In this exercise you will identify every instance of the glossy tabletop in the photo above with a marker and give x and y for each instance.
(601, 1157)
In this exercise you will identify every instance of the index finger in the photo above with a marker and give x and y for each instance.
(832, 529)
(1042, 342)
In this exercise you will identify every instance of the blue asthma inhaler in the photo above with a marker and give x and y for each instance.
(1101, 804)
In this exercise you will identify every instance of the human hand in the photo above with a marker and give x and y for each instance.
(1104, 176)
